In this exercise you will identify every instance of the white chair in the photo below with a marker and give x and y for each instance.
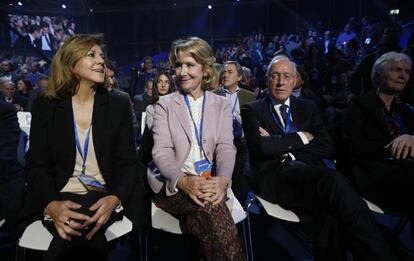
(37, 237)
(164, 221)
(143, 119)
(277, 211)
(25, 119)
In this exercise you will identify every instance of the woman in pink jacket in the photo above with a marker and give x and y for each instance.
(194, 152)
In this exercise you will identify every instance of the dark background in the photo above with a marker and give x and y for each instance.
(134, 28)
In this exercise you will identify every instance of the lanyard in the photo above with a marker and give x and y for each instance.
(83, 155)
(223, 93)
(286, 128)
(198, 136)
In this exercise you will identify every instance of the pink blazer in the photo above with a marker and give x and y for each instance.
(172, 138)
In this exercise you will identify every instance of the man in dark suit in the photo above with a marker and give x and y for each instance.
(287, 142)
(232, 74)
(8, 90)
(11, 180)
(31, 44)
(359, 79)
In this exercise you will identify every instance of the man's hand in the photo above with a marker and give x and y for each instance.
(64, 216)
(263, 132)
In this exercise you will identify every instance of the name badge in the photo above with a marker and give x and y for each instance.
(91, 183)
(203, 168)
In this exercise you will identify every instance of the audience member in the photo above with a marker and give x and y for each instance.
(141, 102)
(192, 132)
(144, 76)
(380, 131)
(112, 86)
(287, 143)
(232, 74)
(163, 85)
(81, 165)
(11, 179)
(9, 95)
(359, 80)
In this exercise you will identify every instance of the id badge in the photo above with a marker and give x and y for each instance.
(91, 183)
(203, 168)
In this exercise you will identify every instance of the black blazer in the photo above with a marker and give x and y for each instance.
(366, 133)
(52, 154)
(9, 132)
(364, 126)
(266, 152)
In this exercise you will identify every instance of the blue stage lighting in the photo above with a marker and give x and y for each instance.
(64, 6)
(19, 3)
(210, 7)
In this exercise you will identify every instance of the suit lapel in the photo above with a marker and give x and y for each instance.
(208, 121)
(297, 112)
(99, 120)
(181, 112)
(267, 116)
(378, 114)
(65, 129)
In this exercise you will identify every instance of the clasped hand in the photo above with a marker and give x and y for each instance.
(204, 190)
(66, 219)
(402, 147)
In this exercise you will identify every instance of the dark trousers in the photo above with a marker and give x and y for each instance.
(388, 184)
(213, 225)
(239, 184)
(11, 191)
(79, 248)
(342, 218)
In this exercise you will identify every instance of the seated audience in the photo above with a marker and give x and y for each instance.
(141, 102)
(380, 130)
(81, 166)
(194, 152)
(11, 179)
(287, 143)
(9, 94)
(113, 86)
(163, 85)
(232, 74)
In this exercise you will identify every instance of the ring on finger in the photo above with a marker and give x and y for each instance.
(67, 222)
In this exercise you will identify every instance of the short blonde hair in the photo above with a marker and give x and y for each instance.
(202, 53)
(63, 83)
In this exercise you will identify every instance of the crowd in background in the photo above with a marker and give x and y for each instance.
(328, 58)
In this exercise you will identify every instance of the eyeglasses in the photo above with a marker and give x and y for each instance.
(286, 76)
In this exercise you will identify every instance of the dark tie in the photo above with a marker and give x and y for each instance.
(283, 112)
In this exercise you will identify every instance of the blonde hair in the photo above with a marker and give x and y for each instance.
(63, 83)
(202, 53)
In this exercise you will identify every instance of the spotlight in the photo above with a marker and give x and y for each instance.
(91, 10)
(210, 7)
(237, 0)
(19, 3)
(64, 6)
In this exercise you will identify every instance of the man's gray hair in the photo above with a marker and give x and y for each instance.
(384, 62)
(239, 68)
(278, 58)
